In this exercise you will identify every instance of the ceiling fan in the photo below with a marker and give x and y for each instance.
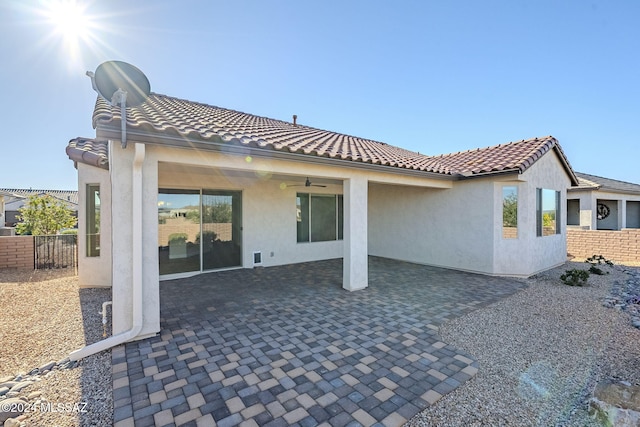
(307, 183)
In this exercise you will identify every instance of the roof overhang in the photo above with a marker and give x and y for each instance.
(110, 133)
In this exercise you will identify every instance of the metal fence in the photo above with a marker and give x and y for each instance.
(59, 251)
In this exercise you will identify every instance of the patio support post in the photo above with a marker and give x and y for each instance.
(355, 261)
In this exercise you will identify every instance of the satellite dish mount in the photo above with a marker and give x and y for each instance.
(120, 84)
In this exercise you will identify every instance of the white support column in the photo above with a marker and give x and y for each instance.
(622, 214)
(355, 261)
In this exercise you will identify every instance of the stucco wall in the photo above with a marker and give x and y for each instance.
(1, 210)
(269, 212)
(462, 228)
(269, 207)
(94, 271)
(448, 228)
(529, 253)
(624, 209)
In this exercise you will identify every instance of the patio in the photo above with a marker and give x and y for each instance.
(288, 346)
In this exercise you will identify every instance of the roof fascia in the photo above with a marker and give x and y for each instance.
(604, 188)
(565, 163)
(488, 173)
(182, 142)
(581, 189)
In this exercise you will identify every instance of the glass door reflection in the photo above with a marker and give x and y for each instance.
(221, 229)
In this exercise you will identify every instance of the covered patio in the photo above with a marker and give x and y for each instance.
(286, 345)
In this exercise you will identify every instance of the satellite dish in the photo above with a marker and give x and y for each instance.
(113, 75)
(121, 84)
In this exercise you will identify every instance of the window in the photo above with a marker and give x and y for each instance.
(93, 220)
(510, 212)
(319, 217)
(547, 212)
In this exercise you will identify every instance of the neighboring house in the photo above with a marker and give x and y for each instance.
(3, 194)
(598, 203)
(201, 188)
(16, 198)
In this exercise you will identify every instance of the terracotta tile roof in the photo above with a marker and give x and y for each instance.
(182, 119)
(206, 123)
(514, 156)
(89, 151)
(593, 182)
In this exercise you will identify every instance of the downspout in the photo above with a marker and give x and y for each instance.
(136, 235)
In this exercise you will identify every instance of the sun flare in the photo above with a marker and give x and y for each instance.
(69, 19)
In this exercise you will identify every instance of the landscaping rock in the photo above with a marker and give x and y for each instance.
(3, 390)
(12, 422)
(616, 404)
(19, 386)
(11, 408)
(47, 367)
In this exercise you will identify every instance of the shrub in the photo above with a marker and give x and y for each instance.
(575, 277)
(178, 238)
(598, 259)
(595, 270)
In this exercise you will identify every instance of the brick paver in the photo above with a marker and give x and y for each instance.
(288, 346)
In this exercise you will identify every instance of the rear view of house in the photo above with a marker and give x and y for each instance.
(201, 188)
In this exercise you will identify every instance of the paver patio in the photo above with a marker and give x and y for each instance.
(287, 345)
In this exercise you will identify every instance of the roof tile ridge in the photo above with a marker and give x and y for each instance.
(504, 144)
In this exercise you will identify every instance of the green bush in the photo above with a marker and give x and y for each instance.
(178, 237)
(598, 259)
(595, 270)
(575, 277)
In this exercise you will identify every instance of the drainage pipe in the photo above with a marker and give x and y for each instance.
(136, 235)
(104, 317)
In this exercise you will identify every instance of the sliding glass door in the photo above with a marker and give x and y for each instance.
(199, 230)
(221, 230)
(178, 231)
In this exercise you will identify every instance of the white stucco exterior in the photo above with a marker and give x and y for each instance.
(1, 210)
(461, 227)
(268, 214)
(624, 209)
(388, 212)
(530, 253)
(94, 272)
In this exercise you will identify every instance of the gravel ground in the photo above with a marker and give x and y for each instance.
(45, 317)
(540, 353)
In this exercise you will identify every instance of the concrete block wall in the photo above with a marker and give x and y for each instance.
(620, 246)
(16, 252)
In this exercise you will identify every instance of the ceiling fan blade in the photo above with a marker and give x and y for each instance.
(307, 183)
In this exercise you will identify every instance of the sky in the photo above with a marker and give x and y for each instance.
(430, 76)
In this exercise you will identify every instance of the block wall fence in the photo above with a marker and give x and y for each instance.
(17, 252)
(619, 246)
